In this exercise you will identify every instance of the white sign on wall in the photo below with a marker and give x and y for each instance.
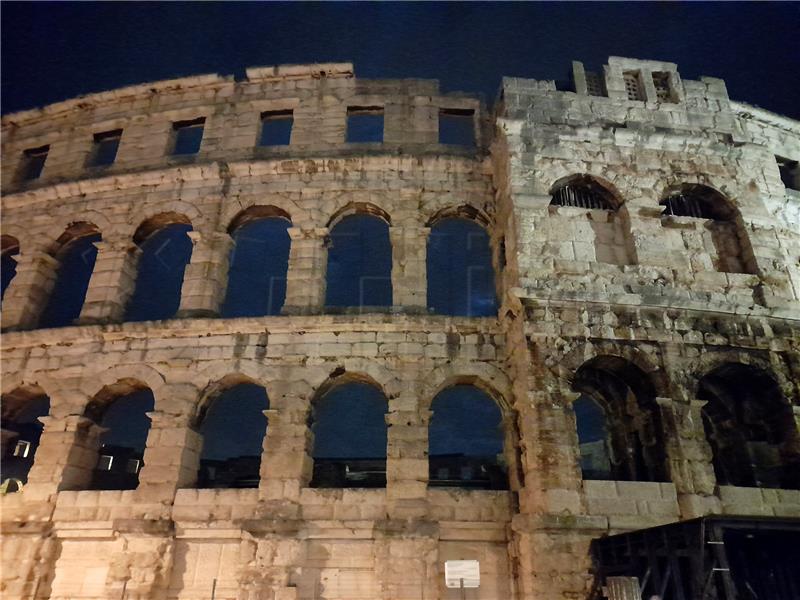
(462, 573)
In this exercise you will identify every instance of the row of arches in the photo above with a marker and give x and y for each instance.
(347, 423)
(359, 265)
(723, 220)
(746, 419)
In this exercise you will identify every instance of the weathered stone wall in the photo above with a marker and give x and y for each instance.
(573, 284)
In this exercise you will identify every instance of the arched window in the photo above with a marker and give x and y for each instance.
(349, 427)
(76, 254)
(460, 273)
(258, 263)
(8, 250)
(465, 440)
(582, 191)
(21, 431)
(732, 248)
(120, 410)
(233, 430)
(166, 250)
(599, 232)
(619, 427)
(749, 426)
(359, 262)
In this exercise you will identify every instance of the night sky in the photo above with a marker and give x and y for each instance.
(54, 51)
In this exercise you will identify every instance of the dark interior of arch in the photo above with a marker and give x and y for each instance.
(698, 201)
(460, 272)
(162, 263)
(583, 192)
(350, 436)
(233, 431)
(8, 268)
(76, 263)
(24, 430)
(359, 263)
(258, 264)
(748, 424)
(122, 446)
(618, 401)
(465, 440)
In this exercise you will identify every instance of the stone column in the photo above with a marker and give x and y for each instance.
(171, 457)
(205, 280)
(409, 272)
(689, 456)
(407, 452)
(66, 456)
(308, 264)
(286, 463)
(112, 282)
(28, 292)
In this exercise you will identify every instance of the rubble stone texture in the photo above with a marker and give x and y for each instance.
(670, 296)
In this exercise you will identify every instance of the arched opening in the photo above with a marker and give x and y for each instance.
(233, 429)
(359, 262)
(465, 440)
(9, 249)
(749, 425)
(723, 227)
(259, 262)
(619, 427)
(459, 265)
(350, 435)
(166, 250)
(607, 239)
(21, 431)
(121, 411)
(76, 254)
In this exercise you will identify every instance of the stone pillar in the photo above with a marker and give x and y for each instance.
(286, 463)
(171, 457)
(407, 452)
(409, 269)
(205, 281)
(66, 456)
(28, 292)
(112, 282)
(689, 456)
(308, 264)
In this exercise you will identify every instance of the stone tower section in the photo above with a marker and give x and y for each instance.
(570, 317)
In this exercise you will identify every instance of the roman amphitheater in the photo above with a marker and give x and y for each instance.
(558, 337)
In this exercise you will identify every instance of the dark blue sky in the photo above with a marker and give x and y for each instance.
(53, 51)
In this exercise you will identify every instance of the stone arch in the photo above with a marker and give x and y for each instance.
(17, 395)
(232, 424)
(597, 188)
(220, 384)
(750, 426)
(484, 376)
(722, 223)
(150, 225)
(9, 243)
(563, 173)
(349, 431)
(144, 375)
(155, 212)
(258, 262)
(9, 248)
(21, 409)
(630, 421)
(463, 211)
(358, 208)
(114, 451)
(74, 231)
(255, 212)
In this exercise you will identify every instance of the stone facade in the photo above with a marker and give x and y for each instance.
(657, 300)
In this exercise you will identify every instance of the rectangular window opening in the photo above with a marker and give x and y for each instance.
(104, 148)
(364, 124)
(187, 136)
(105, 462)
(22, 449)
(595, 85)
(457, 127)
(661, 81)
(633, 85)
(276, 128)
(132, 466)
(790, 173)
(33, 161)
